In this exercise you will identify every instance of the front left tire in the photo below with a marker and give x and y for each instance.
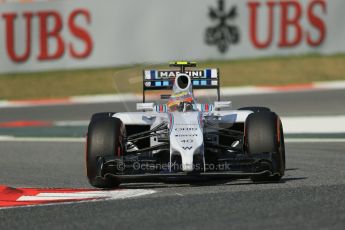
(104, 138)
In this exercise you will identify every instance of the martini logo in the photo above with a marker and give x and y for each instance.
(172, 74)
(223, 33)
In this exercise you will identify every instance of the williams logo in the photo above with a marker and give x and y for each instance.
(223, 34)
(187, 147)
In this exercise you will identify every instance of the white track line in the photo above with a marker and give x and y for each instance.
(82, 139)
(318, 125)
(42, 139)
(315, 140)
(71, 123)
(126, 97)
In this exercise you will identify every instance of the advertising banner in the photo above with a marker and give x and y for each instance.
(75, 34)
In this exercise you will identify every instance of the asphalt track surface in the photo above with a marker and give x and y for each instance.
(311, 195)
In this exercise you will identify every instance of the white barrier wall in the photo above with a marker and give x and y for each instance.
(70, 34)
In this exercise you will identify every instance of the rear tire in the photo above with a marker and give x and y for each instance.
(256, 109)
(101, 115)
(104, 138)
(264, 133)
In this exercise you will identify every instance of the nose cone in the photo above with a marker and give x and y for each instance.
(186, 137)
(187, 160)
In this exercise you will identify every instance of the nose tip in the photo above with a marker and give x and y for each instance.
(187, 167)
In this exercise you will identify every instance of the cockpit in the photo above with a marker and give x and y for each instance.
(181, 103)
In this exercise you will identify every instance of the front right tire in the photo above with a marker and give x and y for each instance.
(264, 134)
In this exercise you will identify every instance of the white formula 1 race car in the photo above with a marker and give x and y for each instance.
(183, 139)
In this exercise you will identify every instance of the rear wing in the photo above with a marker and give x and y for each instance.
(164, 79)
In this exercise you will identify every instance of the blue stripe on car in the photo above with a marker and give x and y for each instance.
(153, 74)
(208, 76)
(208, 73)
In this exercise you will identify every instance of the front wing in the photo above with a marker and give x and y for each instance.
(142, 169)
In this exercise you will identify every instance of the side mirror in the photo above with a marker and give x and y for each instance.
(145, 106)
(222, 105)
